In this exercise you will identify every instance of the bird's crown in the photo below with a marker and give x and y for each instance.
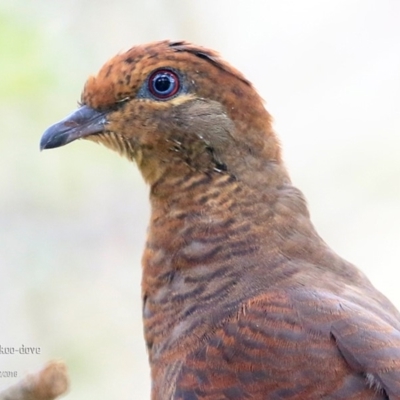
(122, 76)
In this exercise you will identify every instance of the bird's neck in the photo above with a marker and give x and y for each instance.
(208, 235)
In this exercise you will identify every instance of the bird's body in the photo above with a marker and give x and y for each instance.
(241, 297)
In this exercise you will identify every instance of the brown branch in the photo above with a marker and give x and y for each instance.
(47, 384)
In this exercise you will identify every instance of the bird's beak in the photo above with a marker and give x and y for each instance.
(83, 122)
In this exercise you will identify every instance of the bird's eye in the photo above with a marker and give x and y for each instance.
(163, 83)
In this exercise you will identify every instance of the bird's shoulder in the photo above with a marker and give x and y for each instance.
(302, 342)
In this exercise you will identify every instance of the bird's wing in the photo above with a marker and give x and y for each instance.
(295, 344)
(368, 341)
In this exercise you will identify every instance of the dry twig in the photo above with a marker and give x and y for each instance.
(46, 384)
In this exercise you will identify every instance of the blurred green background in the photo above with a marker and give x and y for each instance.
(73, 220)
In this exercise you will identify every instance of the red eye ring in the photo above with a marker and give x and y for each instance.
(163, 83)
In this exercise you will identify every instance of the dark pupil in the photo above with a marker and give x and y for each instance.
(163, 83)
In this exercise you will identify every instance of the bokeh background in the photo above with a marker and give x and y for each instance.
(73, 220)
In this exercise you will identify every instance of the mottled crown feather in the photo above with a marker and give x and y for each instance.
(122, 75)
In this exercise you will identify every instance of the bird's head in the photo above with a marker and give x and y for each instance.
(173, 106)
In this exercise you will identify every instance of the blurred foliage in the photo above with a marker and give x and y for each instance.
(22, 83)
